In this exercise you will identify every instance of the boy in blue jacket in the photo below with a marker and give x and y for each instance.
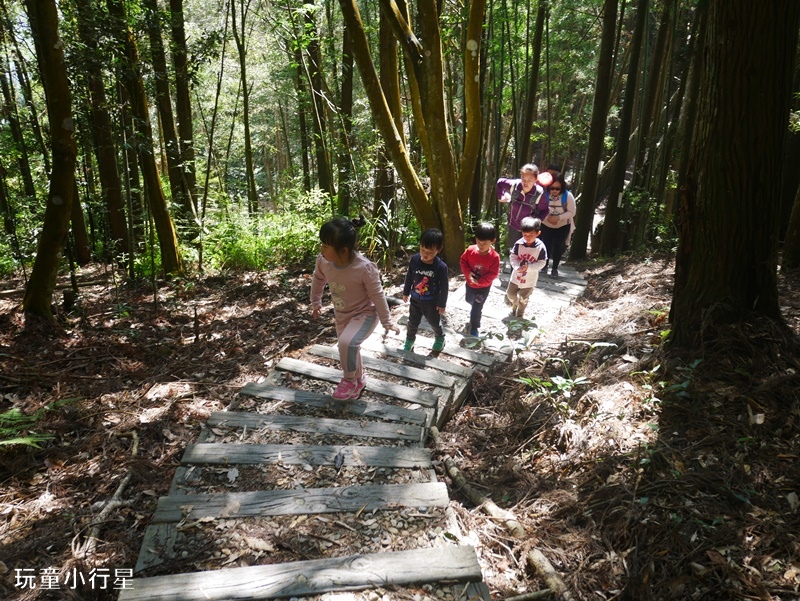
(426, 286)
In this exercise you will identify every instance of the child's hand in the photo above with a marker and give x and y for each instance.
(441, 310)
(315, 312)
(405, 298)
(392, 328)
(523, 269)
(506, 197)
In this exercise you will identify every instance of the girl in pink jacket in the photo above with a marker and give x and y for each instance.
(357, 295)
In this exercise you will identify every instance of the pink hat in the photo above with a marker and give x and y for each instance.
(544, 179)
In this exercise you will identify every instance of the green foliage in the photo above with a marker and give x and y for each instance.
(288, 237)
(7, 263)
(16, 427)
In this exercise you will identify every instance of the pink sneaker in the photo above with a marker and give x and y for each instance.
(361, 383)
(344, 390)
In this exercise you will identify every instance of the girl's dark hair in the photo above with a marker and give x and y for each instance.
(340, 233)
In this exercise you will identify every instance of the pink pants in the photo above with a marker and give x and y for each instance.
(351, 335)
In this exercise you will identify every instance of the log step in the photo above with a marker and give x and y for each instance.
(323, 401)
(302, 578)
(329, 374)
(299, 501)
(290, 454)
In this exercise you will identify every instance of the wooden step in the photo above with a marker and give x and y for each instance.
(313, 399)
(395, 369)
(329, 374)
(300, 501)
(297, 579)
(441, 365)
(481, 359)
(317, 425)
(241, 454)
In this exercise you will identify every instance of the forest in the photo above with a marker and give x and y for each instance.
(165, 167)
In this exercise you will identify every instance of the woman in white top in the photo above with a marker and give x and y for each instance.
(558, 225)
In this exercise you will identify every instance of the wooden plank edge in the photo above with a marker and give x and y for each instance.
(355, 572)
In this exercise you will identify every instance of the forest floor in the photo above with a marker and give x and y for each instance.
(638, 474)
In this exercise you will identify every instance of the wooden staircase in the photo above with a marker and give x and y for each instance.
(233, 479)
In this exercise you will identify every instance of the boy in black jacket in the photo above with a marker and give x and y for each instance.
(426, 286)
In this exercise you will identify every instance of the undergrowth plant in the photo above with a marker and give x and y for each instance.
(17, 428)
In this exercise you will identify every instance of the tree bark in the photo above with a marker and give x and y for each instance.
(584, 218)
(49, 50)
(83, 251)
(728, 248)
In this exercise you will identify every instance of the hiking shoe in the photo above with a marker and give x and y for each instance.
(554, 273)
(438, 344)
(408, 345)
(361, 384)
(474, 332)
(345, 389)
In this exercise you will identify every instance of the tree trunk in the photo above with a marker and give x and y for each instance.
(49, 50)
(319, 112)
(167, 240)
(584, 218)
(654, 83)
(531, 100)
(180, 193)
(9, 111)
(241, 47)
(728, 249)
(383, 117)
(104, 147)
(384, 207)
(183, 101)
(83, 251)
(612, 237)
(345, 141)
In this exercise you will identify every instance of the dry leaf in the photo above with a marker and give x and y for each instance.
(258, 544)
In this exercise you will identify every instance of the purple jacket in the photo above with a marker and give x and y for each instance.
(533, 204)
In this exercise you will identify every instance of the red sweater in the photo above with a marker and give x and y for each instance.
(485, 268)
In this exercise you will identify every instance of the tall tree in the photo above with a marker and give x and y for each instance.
(313, 72)
(531, 99)
(183, 101)
(10, 109)
(443, 209)
(611, 238)
(239, 29)
(181, 195)
(50, 55)
(104, 147)
(597, 132)
(727, 253)
(156, 201)
(345, 186)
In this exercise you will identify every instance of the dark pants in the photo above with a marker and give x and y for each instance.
(476, 297)
(554, 239)
(417, 311)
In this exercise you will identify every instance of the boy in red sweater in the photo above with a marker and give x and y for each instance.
(480, 265)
